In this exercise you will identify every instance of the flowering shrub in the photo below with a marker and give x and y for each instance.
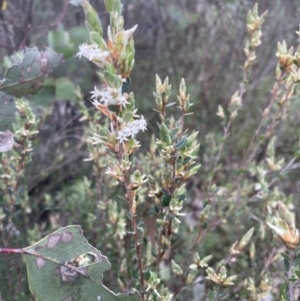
(138, 209)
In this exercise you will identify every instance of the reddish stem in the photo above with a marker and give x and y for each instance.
(62, 15)
(12, 251)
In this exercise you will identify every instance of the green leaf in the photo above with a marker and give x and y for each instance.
(78, 35)
(96, 38)
(147, 274)
(297, 272)
(113, 5)
(64, 266)
(296, 260)
(109, 77)
(186, 160)
(126, 85)
(46, 96)
(28, 76)
(118, 7)
(286, 256)
(133, 250)
(297, 250)
(166, 200)
(181, 197)
(14, 59)
(127, 116)
(175, 131)
(293, 279)
(181, 144)
(165, 192)
(60, 41)
(110, 68)
(7, 111)
(286, 264)
(64, 89)
(93, 22)
(211, 296)
(135, 274)
(283, 291)
(245, 239)
(204, 225)
(165, 134)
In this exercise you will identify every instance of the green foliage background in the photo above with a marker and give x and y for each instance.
(201, 41)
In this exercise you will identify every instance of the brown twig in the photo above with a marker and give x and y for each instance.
(130, 198)
(62, 15)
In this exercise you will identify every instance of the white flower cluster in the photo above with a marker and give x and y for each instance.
(131, 129)
(93, 53)
(109, 96)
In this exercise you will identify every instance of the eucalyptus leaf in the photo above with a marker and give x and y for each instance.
(28, 76)
(64, 266)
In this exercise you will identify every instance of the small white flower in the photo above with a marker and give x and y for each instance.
(257, 186)
(110, 171)
(139, 124)
(127, 34)
(109, 96)
(105, 97)
(93, 53)
(122, 136)
(131, 129)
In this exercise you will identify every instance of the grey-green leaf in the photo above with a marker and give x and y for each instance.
(28, 76)
(110, 4)
(55, 271)
(7, 111)
(181, 144)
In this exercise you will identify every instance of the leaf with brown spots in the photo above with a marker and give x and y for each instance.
(27, 77)
(64, 266)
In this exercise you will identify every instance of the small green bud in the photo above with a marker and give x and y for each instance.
(176, 269)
